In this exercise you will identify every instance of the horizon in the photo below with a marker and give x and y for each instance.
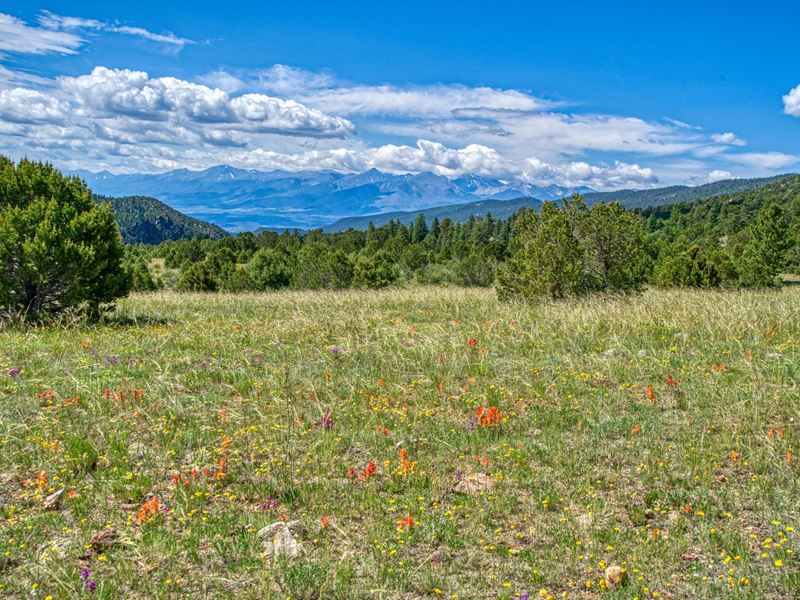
(612, 106)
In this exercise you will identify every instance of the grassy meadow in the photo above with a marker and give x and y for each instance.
(430, 443)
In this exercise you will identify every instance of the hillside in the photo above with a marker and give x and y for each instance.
(504, 208)
(144, 220)
(678, 193)
(501, 209)
(729, 214)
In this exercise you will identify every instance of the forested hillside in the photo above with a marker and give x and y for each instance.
(144, 220)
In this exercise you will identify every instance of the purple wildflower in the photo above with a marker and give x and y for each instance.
(15, 372)
(325, 421)
(111, 359)
(91, 585)
(336, 350)
(472, 423)
(524, 596)
(270, 504)
(459, 474)
(84, 572)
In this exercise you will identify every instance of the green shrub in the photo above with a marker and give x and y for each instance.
(269, 270)
(58, 248)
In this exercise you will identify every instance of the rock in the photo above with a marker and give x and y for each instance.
(673, 516)
(650, 514)
(53, 501)
(102, 540)
(641, 353)
(775, 356)
(278, 539)
(614, 577)
(474, 483)
(688, 556)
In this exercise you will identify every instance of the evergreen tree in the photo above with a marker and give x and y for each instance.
(58, 248)
(268, 270)
(764, 255)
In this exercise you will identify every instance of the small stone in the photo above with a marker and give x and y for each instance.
(689, 556)
(650, 514)
(614, 577)
(278, 539)
(53, 501)
(775, 356)
(641, 353)
(474, 483)
(102, 540)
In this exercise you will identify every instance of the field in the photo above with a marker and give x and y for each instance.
(429, 443)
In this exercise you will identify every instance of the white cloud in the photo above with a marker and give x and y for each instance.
(111, 93)
(728, 138)
(791, 102)
(718, 175)
(62, 23)
(764, 160)
(16, 36)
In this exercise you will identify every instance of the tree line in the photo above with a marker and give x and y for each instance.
(59, 249)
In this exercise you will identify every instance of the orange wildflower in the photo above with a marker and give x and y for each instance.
(488, 417)
(325, 521)
(636, 429)
(148, 509)
(651, 393)
(671, 381)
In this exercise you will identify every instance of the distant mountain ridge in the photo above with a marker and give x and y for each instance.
(676, 194)
(248, 199)
(144, 220)
(502, 209)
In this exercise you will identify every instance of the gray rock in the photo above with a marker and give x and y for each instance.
(278, 539)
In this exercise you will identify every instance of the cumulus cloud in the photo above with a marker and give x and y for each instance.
(791, 102)
(18, 37)
(728, 138)
(62, 23)
(125, 101)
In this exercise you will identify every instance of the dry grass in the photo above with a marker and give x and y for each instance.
(691, 485)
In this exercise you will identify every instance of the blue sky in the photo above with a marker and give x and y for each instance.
(629, 95)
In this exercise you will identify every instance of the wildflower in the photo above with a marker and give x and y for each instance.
(148, 509)
(368, 472)
(472, 342)
(459, 474)
(91, 585)
(15, 372)
(671, 382)
(85, 573)
(636, 429)
(325, 521)
(651, 393)
(270, 504)
(735, 455)
(488, 417)
(336, 350)
(325, 421)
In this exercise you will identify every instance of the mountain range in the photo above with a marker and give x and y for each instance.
(502, 209)
(242, 200)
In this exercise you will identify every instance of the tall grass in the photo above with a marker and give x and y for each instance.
(657, 432)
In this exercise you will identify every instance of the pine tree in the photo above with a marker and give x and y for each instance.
(58, 248)
(764, 254)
